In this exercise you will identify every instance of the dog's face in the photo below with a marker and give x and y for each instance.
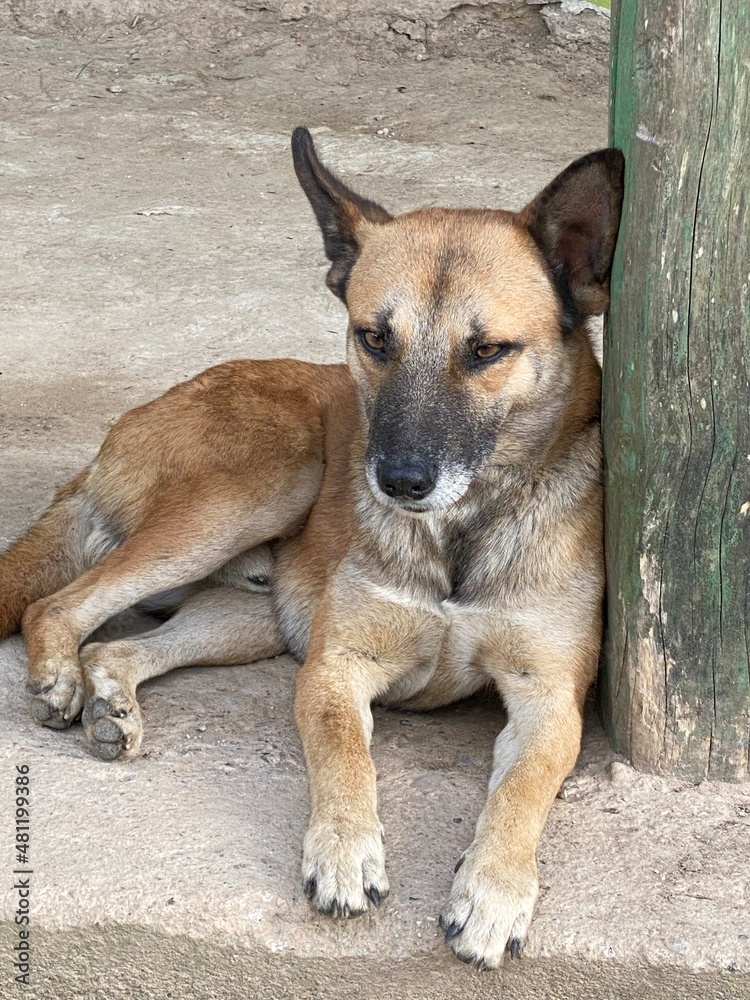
(453, 325)
(459, 319)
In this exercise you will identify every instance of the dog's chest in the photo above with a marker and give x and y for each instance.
(494, 545)
(484, 558)
(483, 562)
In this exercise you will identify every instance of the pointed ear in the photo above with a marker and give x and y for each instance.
(339, 211)
(575, 221)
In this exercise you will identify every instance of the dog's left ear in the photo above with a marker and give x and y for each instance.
(340, 212)
(575, 221)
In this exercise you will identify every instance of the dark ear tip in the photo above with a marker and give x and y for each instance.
(300, 135)
(302, 143)
(613, 159)
(616, 161)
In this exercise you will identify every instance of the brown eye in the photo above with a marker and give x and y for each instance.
(373, 341)
(488, 351)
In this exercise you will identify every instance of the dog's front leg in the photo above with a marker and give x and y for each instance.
(496, 883)
(343, 863)
(355, 654)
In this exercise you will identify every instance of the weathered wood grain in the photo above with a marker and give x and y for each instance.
(675, 690)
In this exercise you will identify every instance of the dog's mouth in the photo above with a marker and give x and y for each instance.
(413, 508)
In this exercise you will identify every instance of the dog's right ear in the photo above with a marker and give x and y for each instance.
(339, 211)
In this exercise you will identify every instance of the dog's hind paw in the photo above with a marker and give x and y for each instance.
(56, 687)
(111, 717)
(343, 868)
(490, 909)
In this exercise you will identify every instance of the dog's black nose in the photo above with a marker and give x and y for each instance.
(407, 479)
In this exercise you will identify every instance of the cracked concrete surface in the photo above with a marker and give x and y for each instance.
(152, 226)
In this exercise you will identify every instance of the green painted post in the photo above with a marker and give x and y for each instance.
(675, 689)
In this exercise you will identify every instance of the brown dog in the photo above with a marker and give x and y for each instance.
(415, 526)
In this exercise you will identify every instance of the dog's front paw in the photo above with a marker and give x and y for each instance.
(343, 867)
(490, 907)
(56, 687)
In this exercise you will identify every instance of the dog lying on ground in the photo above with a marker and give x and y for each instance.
(413, 526)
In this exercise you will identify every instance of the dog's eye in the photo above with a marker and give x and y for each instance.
(374, 342)
(488, 352)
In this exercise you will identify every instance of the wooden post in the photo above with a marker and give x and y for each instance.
(675, 690)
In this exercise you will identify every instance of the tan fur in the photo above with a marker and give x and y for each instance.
(242, 505)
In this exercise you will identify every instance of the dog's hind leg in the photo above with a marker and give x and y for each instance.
(47, 557)
(191, 534)
(217, 626)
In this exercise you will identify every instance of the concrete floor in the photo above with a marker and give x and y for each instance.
(152, 226)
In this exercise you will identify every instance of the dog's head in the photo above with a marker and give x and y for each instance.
(460, 321)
